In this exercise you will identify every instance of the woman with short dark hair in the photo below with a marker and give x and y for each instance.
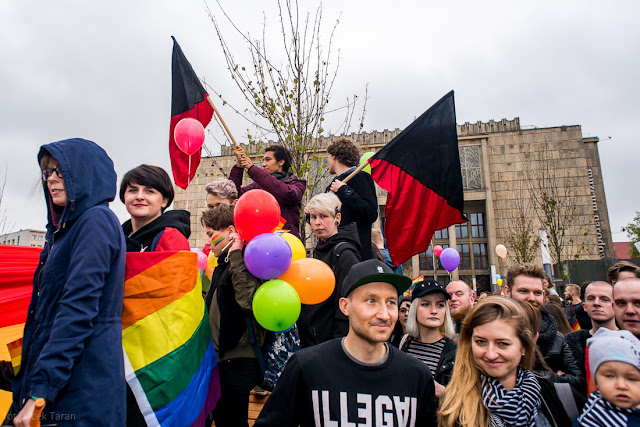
(146, 192)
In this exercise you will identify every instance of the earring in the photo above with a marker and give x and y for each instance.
(337, 222)
(522, 354)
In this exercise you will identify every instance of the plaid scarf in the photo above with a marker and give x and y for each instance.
(517, 407)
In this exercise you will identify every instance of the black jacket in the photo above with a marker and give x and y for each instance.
(359, 205)
(577, 342)
(445, 364)
(146, 238)
(322, 322)
(557, 355)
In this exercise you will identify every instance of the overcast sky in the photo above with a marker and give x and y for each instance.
(102, 71)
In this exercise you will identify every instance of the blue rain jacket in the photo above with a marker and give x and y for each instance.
(72, 349)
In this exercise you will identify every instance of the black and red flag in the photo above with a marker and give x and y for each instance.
(420, 169)
(188, 99)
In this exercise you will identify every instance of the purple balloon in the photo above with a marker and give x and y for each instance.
(267, 256)
(450, 258)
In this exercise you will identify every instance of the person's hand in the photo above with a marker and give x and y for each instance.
(336, 184)
(238, 243)
(246, 162)
(560, 373)
(439, 389)
(239, 153)
(23, 419)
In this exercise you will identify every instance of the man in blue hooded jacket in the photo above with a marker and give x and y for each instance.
(72, 348)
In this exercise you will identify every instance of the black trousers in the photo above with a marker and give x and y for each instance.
(237, 378)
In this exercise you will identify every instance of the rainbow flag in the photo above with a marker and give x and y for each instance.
(170, 363)
(575, 326)
(15, 352)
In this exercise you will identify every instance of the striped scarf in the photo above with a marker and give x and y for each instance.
(517, 407)
(598, 412)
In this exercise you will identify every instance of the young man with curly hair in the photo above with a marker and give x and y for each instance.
(358, 196)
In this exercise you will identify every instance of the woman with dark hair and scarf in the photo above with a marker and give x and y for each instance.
(146, 192)
(492, 382)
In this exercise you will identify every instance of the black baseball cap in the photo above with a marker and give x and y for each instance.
(373, 270)
(427, 286)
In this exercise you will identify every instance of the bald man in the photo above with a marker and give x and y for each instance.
(462, 300)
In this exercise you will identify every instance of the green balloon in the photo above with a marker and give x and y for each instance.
(364, 159)
(276, 305)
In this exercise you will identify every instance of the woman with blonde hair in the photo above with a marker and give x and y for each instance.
(430, 331)
(339, 248)
(492, 383)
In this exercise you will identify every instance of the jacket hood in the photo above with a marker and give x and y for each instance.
(178, 219)
(89, 176)
(348, 233)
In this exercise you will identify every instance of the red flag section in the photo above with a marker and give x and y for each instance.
(188, 99)
(17, 266)
(420, 169)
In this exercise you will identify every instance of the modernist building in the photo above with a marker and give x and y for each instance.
(24, 238)
(499, 162)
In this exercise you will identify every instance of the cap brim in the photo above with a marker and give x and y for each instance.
(401, 283)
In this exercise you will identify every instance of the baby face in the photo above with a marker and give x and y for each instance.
(619, 384)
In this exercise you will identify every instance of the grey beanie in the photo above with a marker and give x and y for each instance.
(613, 346)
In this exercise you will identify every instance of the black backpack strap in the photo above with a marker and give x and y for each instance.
(338, 249)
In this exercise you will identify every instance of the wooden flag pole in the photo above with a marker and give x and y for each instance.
(215, 110)
(355, 172)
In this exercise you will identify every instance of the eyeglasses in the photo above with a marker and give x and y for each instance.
(404, 310)
(46, 173)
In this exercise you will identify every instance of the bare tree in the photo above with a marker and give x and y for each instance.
(286, 91)
(553, 192)
(3, 211)
(521, 239)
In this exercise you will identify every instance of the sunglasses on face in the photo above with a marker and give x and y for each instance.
(46, 173)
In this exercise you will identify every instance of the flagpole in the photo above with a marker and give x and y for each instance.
(355, 172)
(215, 110)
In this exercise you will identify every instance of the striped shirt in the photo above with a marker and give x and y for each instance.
(427, 353)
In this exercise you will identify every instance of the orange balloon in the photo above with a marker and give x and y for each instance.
(311, 278)
(209, 272)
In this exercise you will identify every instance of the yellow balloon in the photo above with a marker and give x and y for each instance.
(499, 282)
(297, 248)
(212, 261)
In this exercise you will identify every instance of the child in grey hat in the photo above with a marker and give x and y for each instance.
(614, 359)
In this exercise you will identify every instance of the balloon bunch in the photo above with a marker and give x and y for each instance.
(280, 259)
(449, 258)
(498, 280)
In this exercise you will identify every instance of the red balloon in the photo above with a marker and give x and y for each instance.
(189, 135)
(256, 212)
(437, 250)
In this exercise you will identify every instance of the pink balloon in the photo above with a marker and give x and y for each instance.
(202, 261)
(437, 250)
(189, 135)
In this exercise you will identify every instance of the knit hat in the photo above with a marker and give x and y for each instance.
(613, 346)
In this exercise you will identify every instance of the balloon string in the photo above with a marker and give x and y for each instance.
(188, 182)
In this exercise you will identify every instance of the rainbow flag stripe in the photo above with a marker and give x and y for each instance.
(170, 363)
(575, 326)
(15, 352)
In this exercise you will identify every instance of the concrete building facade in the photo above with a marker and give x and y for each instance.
(499, 162)
(24, 238)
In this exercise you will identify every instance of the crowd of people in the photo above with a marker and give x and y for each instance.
(372, 354)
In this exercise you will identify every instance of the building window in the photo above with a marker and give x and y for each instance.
(40, 238)
(443, 280)
(426, 259)
(477, 224)
(462, 231)
(470, 167)
(480, 258)
(465, 256)
(441, 234)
